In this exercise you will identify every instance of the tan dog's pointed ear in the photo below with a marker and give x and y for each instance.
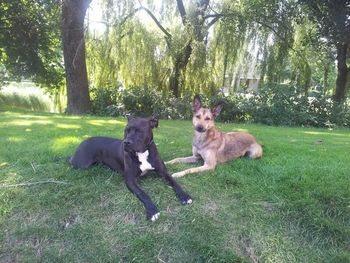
(154, 122)
(196, 103)
(216, 110)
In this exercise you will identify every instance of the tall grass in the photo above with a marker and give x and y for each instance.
(25, 95)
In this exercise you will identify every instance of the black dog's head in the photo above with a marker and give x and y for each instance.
(138, 133)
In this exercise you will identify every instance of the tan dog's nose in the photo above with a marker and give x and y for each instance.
(200, 128)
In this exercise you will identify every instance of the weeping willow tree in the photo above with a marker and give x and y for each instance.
(170, 54)
(205, 45)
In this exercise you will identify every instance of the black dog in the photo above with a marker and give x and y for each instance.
(133, 157)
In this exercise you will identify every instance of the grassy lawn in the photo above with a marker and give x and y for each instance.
(293, 205)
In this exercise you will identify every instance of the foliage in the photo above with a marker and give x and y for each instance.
(290, 206)
(141, 101)
(273, 105)
(215, 45)
(273, 39)
(30, 45)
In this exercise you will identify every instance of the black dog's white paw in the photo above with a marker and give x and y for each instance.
(189, 201)
(155, 217)
(185, 199)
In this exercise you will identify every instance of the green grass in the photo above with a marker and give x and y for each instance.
(26, 96)
(293, 205)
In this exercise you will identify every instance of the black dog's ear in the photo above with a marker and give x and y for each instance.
(154, 122)
(216, 110)
(129, 117)
(196, 103)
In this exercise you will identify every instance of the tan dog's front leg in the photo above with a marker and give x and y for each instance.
(205, 167)
(190, 159)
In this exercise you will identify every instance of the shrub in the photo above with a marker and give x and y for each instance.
(274, 105)
(105, 101)
(140, 101)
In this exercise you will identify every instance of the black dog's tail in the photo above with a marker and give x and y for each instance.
(66, 158)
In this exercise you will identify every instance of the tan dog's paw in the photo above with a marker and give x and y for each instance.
(179, 174)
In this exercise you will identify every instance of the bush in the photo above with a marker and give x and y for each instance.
(138, 101)
(274, 105)
(105, 101)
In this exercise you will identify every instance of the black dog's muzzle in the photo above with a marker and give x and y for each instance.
(129, 145)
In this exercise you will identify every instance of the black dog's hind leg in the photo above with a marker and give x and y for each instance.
(180, 193)
(152, 211)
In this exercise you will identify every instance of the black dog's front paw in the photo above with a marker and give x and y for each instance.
(152, 214)
(185, 198)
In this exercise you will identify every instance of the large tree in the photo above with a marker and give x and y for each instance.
(73, 14)
(332, 19)
(30, 44)
(193, 31)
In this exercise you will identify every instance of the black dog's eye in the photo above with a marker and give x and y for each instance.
(207, 118)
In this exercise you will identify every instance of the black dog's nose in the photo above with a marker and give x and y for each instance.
(127, 142)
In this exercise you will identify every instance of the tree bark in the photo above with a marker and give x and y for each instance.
(180, 64)
(197, 19)
(325, 78)
(341, 81)
(73, 14)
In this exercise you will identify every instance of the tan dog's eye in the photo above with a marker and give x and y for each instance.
(198, 116)
(207, 118)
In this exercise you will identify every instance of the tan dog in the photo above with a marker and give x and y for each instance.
(212, 145)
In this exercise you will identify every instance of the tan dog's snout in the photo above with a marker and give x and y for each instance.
(200, 128)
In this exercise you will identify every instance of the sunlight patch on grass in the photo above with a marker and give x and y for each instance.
(68, 126)
(14, 139)
(104, 122)
(29, 123)
(323, 133)
(61, 143)
(30, 116)
(3, 164)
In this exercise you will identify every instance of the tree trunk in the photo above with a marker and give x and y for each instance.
(73, 14)
(340, 89)
(175, 78)
(325, 78)
(225, 69)
(196, 19)
(180, 65)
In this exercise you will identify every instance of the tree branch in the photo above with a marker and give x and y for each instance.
(156, 21)
(130, 15)
(181, 8)
(215, 17)
(159, 25)
(276, 34)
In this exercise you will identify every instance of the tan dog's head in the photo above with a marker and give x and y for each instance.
(203, 118)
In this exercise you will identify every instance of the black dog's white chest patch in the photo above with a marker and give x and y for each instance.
(145, 165)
